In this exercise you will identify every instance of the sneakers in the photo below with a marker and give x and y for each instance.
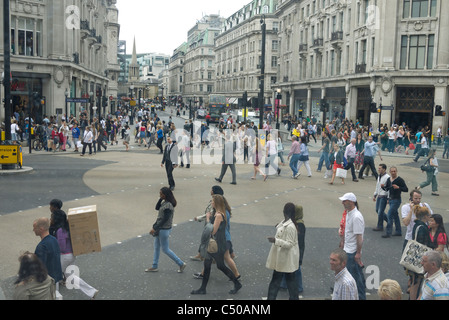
(198, 275)
(297, 175)
(181, 268)
(151, 269)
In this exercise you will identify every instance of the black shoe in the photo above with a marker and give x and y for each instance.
(216, 179)
(362, 178)
(237, 287)
(232, 182)
(188, 166)
(199, 291)
(355, 180)
(397, 235)
(386, 236)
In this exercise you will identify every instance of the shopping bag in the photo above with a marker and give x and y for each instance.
(412, 255)
(341, 173)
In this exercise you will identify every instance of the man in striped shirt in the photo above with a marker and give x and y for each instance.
(435, 285)
(345, 287)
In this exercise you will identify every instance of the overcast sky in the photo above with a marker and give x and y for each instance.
(160, 26)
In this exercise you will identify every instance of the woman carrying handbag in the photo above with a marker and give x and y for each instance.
(431, 173)
(421, 235)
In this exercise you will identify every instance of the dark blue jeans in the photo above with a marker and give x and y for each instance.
(381, 204)
(393, 217)
(357, 273)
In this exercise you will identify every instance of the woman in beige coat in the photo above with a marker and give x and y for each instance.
(283, 258)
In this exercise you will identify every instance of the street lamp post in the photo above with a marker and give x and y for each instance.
(190, 109)
(131, 107)
(7, 67)
(262, 73)
(66, 96)
(278, 106)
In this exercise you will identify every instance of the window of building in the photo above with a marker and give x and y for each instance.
(26, 36)
(417, 52)
(274, 61)
(419, 8)
(275, 45)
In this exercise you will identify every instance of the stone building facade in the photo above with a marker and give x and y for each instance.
(238, 52)
(63, 48)
(351, 53)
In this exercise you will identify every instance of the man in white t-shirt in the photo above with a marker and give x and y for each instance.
(408, 217)
(353, 241)
(14, 131)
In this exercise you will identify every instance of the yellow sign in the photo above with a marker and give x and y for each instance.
(132, 103)
(11, 154)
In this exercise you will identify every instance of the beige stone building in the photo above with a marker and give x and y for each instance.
(199, 60)
(351, 53)
(238, 50)
(63, 48)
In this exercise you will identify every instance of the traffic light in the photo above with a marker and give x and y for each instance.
(323, 105)
(373, 107)
(438, 111)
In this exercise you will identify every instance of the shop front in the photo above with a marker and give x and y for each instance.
(27, 96)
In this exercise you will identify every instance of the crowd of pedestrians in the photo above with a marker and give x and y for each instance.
(345, 148)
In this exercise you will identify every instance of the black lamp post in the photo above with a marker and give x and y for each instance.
(278, 106)
(262, 73)
(66, 114)
(7, 67)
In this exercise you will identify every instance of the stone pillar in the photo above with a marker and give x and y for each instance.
(441, 98)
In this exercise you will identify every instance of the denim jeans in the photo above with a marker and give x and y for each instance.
(161, 241)
(393, 216)
(324, 158)
(357, 273)
(298, 275)
(294, 163)
(381, 204)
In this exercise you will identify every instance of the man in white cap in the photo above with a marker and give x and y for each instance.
(353, 241)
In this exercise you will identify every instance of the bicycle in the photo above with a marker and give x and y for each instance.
(39, 144)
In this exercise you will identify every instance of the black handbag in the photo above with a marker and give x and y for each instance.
(427, 167)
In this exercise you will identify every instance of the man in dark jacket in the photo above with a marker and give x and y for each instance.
(170, 159)
(395, 186)
(228, 159)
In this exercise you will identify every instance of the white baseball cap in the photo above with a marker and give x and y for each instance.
(349, 196)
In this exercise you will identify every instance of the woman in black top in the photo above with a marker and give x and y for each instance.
(219, 222)
(162, 228)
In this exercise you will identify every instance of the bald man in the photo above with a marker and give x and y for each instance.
(48, 249)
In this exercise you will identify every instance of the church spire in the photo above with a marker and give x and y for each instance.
(134, 68)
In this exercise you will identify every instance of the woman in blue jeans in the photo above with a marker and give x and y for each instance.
(162, 228)
(295, 152)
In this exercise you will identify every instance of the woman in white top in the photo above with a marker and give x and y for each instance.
(391, 139)
(272, 152)
(64, 129)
